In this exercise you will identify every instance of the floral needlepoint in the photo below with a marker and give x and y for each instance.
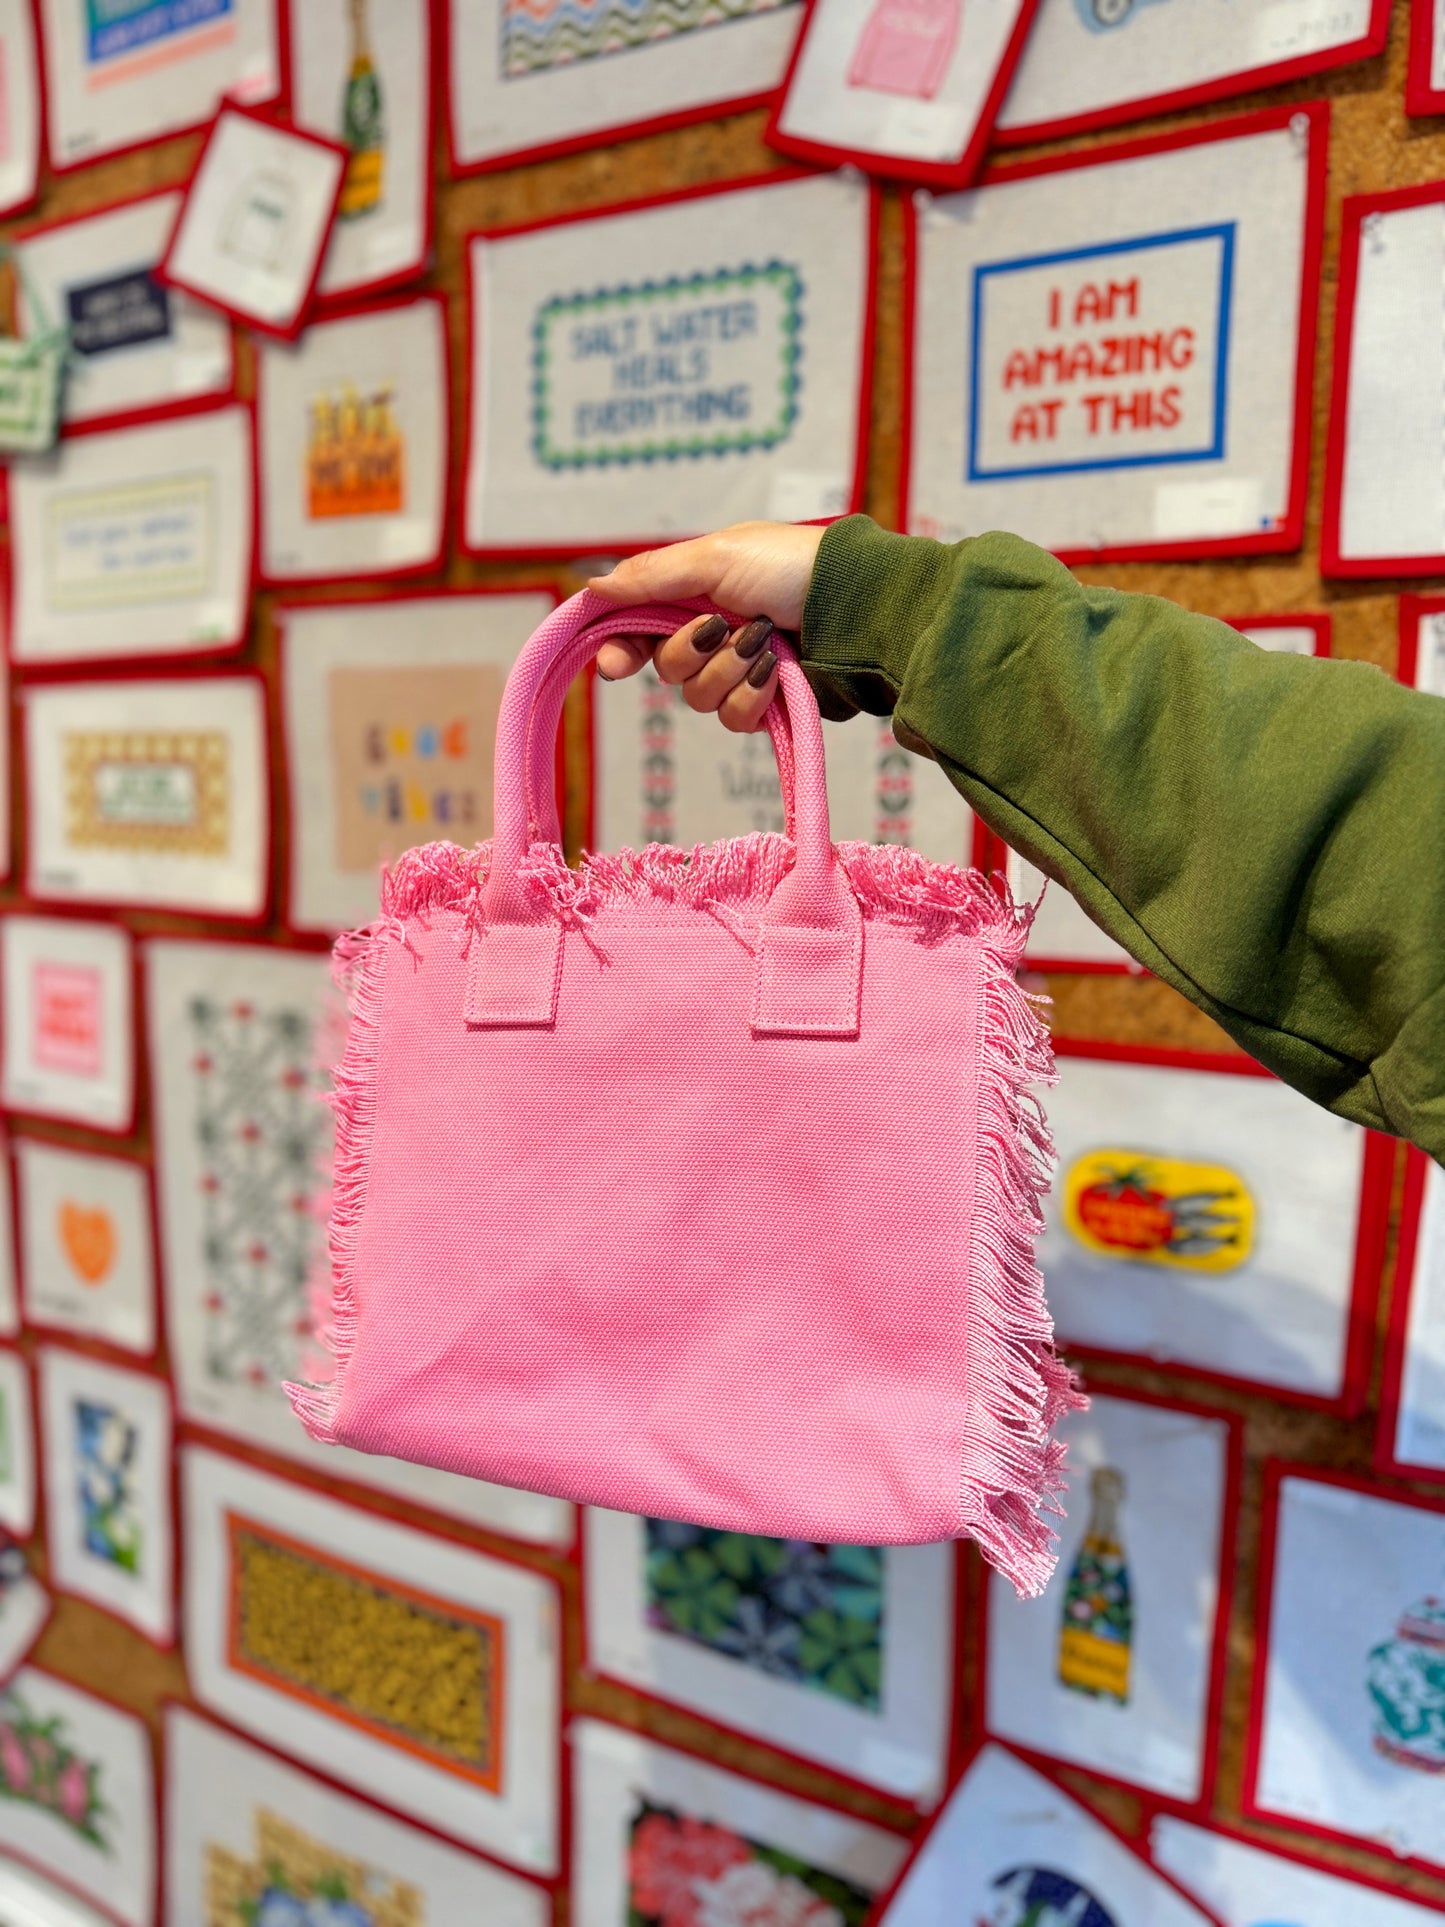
(686, 1872)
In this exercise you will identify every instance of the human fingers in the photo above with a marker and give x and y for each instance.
(765, 566)
(682, 654)
(727, 668)
(624, 655)
(746, 704)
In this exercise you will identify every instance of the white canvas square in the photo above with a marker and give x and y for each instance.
(463, 1634)
(523, 77)
(665, 774)
(91, 1821)
(1009, 1839)
(28, 1901)
(125, 75)
(20, 96)
(363, 76)
(638, 1806)
(1127, 1695)
(353, 441)
(244, 1828)
(150, 792)
(1392, 486)
(109, 1530)
(92, 583)
(872, 1705)
(390, 713)
(883, 84)
(1283, 638)
(25, 1609)
(86, 1258)
(256, 220)
(1265, 1292)
(1198, 251)
(1090, 57)
(135, 343)
(17, 1446)
(1248, 1886)
(236, 1031)
(1352, 1734)
(1420, 1420)
(1430, 654)
(699, 362)
(68, 991)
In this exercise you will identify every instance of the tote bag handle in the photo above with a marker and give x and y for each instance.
(810, 934)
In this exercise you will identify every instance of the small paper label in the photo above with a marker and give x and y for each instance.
(1226, 506)
(802, 494)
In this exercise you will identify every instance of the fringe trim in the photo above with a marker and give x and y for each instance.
(1017, 1385)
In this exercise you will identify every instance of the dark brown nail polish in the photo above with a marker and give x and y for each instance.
(709, 635)
(762, 669)
(750, 639)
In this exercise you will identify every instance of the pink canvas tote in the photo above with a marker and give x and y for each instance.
(697, 1184)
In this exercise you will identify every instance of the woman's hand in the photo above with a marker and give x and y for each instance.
(764, 567)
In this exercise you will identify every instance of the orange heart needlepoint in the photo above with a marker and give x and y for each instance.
(89, 1240)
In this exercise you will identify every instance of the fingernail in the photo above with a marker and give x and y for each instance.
(709, 635)
(762, 669)
(750, 639)
(602, 676)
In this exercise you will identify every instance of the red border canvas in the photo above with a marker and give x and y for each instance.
(659, 123)
(191, 1438)
(585, 546)
(381, 571)
(80, 1347)
(203, 1716)
(165, 272)
(323, 305)
(1292, 1854)
(1412, 609)
(42, 116)
(1354, 211)
(268, 102)
(1246, 80)
(877, 1915)
(953, 1738)
(81, 913)
(1275, 1472)
(1420, 96)
(147, 412)
(1372, 1227)
(104, 1348)
(282, 612)
(1417, 1167)
(101, 908)
(1267, 120)
(52, 668)
(1233, 1423)
(941, 175)
(12, 1348)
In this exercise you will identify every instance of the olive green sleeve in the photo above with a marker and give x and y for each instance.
(1266, 832)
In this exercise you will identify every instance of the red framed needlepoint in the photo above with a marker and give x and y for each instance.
(1425, 75)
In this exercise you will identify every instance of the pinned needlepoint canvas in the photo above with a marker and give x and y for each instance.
(1421, 663)
(662, 773)
(257, 216)
(661, 1838)
(20, 106)
(452, 1712)
(1349, 1711)
(18, 1471)
(1425, 78)
(122, 73)
(1112, 351)
(1412, 1414)
(1117, 1668)
(1012, 1849)
(242, 1141)
(1206, 1216)
(90, 582)
(361, 74)
(352, 445)
(837, 1654)
(77, 1794)
(137, 347)
(68, 993)
(390, 710)
(656, 370)
(109, 1526)
(87, 1263)
(252, 1841)
(1246, 1884)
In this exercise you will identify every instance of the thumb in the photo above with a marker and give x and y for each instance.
(683, 569)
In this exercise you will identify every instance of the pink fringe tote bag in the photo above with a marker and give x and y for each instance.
(702, 1185)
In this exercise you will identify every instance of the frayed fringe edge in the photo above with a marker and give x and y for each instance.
(1017, 1386)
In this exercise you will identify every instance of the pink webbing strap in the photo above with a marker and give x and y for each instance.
(811, 930)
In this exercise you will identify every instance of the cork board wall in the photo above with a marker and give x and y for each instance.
(1372, 146)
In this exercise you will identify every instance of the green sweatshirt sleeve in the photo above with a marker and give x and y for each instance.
(1265, 832)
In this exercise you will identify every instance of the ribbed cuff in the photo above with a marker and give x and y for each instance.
(870, 596)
